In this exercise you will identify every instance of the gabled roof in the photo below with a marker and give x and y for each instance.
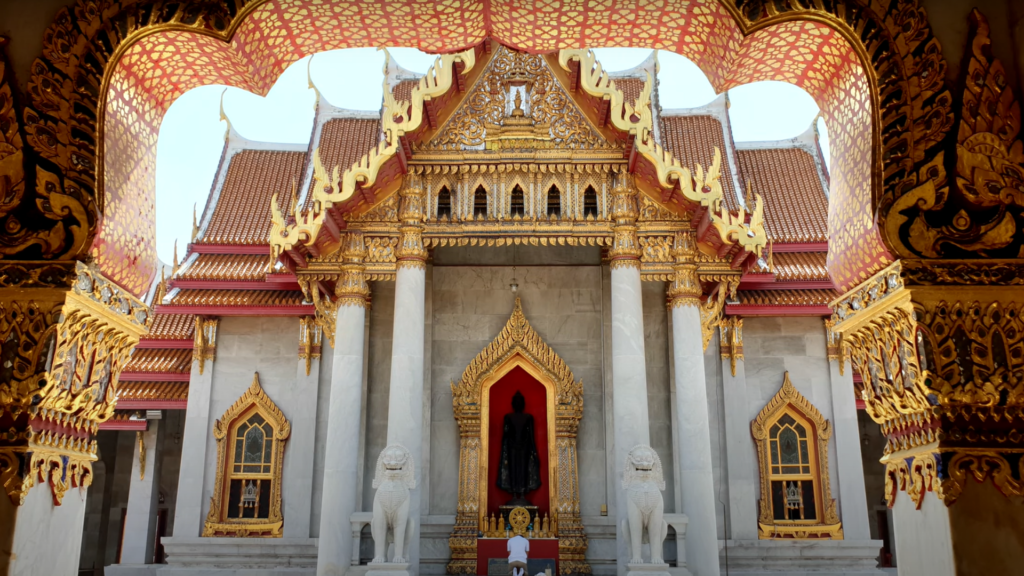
(788, 179)
(692, 136)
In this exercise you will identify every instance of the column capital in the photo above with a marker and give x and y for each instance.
(411, 212)
(72, 330)
(939, 346)
(626, 249)
(685, 289)
(351, 288)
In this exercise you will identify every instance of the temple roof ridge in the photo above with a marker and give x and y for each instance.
(649, 65)
(806, 141)
(717, 108)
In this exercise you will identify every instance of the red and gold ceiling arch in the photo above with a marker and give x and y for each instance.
(128, 61)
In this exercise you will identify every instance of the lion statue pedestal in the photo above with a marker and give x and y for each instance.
(394, 477)
(643, 482)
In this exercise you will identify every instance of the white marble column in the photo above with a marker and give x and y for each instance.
(405, 397)
(694, 428)
(298, 466)
(188, 508)
(853, 505)
(138, 540)
(740, 450)
(344, 417)
(631, 424)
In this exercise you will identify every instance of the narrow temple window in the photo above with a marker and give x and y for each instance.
(554, 201)
(444, 204)
(518, 205)
(480, 203)
(590, 203)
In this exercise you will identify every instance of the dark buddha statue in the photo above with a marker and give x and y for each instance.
(519, 467)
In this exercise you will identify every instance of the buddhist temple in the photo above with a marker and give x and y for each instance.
(520, 300)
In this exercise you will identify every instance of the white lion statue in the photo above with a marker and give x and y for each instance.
(394, 477)
(643, 482)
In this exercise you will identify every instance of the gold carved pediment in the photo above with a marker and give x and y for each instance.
(517, 104)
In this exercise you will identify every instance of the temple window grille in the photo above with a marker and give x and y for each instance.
(518, 206)
(444, 204)
(590, 203)
(554, 201)
(792, 451)
(480, 202)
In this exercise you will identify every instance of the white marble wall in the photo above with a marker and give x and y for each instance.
(246, 345)
(40, 538)
(378, 381)
(659, 399)
(322, 407)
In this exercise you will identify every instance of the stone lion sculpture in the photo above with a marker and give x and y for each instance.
(643, 482)
(394, 477)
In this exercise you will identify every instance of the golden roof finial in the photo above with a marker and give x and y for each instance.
(174, 271)
(195, 224)
(224, 115)
(310, 83)
(749, 199)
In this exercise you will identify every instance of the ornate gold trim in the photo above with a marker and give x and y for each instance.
(518, 345)
(310, 337)
(731, 331)
(787, 400)
(253, 400)
(205, 345)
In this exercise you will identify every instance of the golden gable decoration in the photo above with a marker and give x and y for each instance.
(258, 478)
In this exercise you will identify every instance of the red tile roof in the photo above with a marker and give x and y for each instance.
(343, 141)
(796, 208)
(152, 391)
(787, 297)
(800, 266)
(692, 140)
(243, 267)
(237, 298)
(242, 213)
(172, 327)
(159, 360)
(630, 87)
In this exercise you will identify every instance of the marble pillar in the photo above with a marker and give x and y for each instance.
(695, 472)
(188, 509)
(341, 453)
(741, 455)
(853, 504)
(405, 399)
(40, 538)
(298, 466)
(630, 421)
(342, 449)
(139, 538)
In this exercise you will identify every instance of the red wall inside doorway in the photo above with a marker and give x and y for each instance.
(501, 403)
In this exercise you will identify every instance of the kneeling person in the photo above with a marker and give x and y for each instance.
(517, 549)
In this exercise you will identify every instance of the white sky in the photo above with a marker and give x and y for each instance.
(192, 135)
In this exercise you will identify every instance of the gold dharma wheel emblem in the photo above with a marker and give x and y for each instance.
(519, 518)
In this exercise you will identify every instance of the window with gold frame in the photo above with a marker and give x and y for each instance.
(246, 499)
(792, 450)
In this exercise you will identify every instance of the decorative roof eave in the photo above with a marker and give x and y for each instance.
(217, 310)
(659, 174)
(747, 310)
(375, 175)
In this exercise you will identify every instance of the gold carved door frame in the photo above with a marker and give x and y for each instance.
(518, 345)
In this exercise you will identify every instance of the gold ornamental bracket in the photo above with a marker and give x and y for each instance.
(700, 188)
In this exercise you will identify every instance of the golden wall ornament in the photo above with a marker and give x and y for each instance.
(204, 346)
(712, 308)
(518, 345)
(789, 403)
(731, 332)
(310, 334)
(140, 437)
(836, 348)
(231, 466)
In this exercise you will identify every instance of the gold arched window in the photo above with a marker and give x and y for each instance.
(792, 452)
(250, 454)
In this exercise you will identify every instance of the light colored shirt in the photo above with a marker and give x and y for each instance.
(517, 548)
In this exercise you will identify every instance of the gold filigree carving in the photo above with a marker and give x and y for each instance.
(410, 250)
(625, 249)
(731, 332)
(253, 402)
(310, 334)
(836, 348)
(141, 439)
(789, 402)
(205, 345)
(685, 289)
(518, 345)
